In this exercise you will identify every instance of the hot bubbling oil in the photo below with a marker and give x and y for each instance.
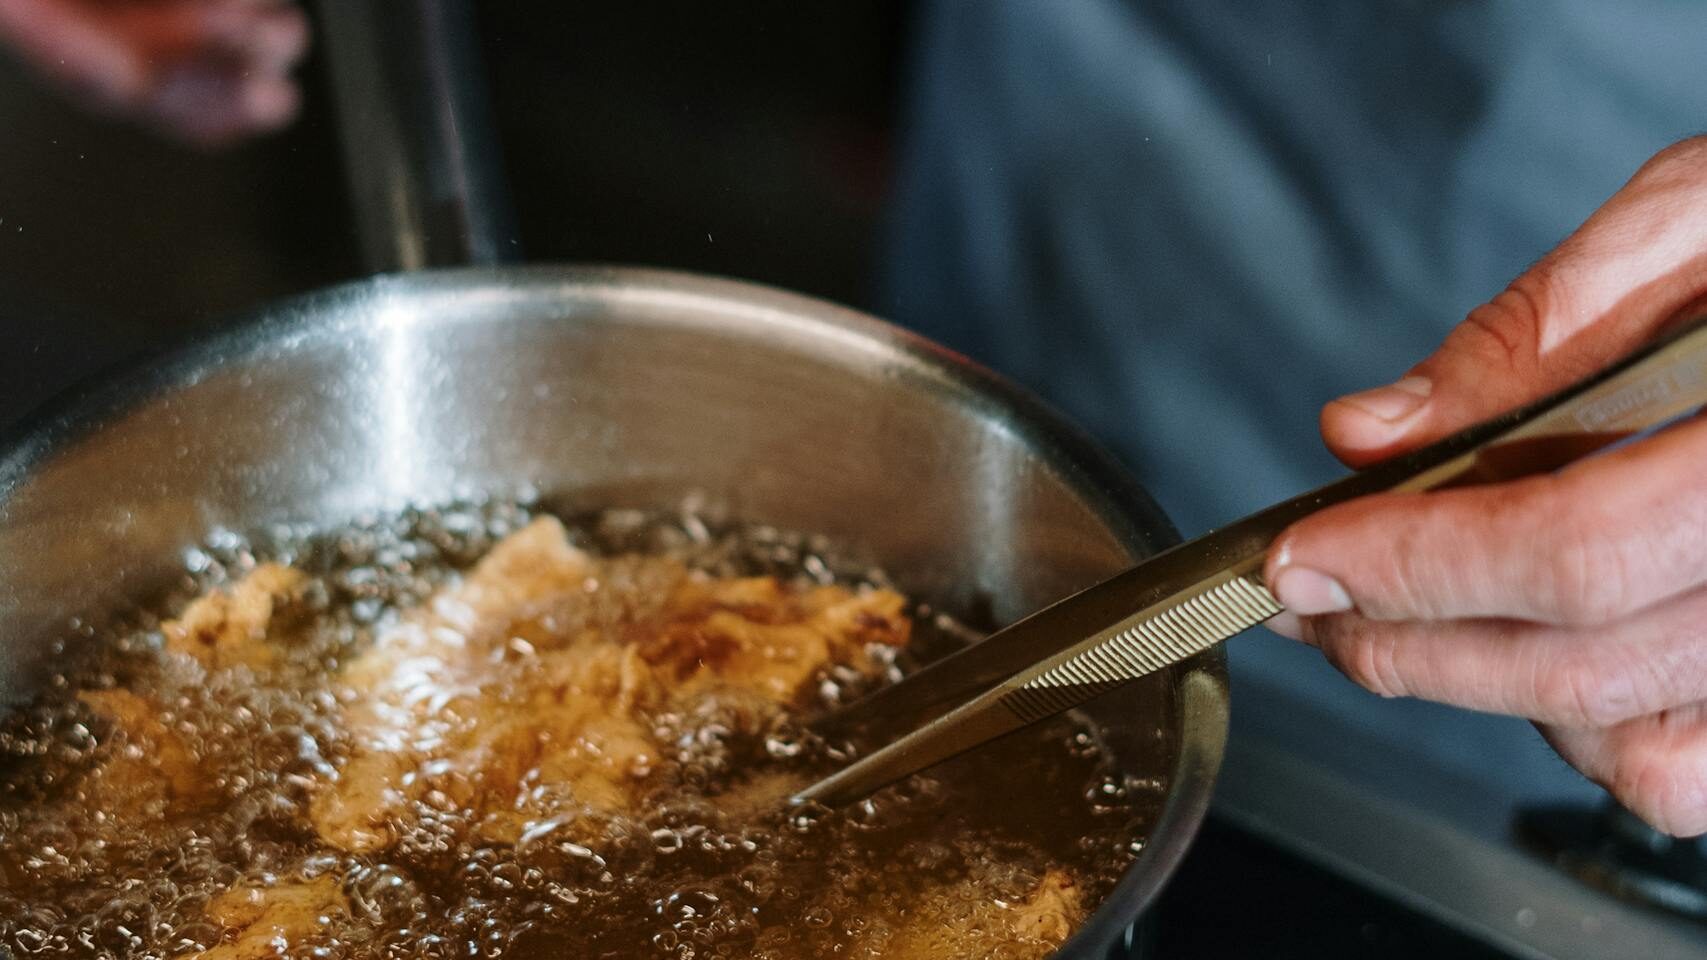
(90, 867)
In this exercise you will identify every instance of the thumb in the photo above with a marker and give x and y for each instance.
(1628, 270)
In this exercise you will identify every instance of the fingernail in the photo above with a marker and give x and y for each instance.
(1394, 402)
(1308, 592)
(1287, 624)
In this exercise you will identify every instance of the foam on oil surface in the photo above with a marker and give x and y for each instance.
(94, 866)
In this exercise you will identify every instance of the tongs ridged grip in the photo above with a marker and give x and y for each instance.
(1185, 600)
(1176, 632)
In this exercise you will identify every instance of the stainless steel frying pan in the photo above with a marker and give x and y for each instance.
(596, 387)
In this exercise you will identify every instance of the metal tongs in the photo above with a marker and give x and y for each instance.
(1185, 600)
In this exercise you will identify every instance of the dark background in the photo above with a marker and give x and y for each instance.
(676, 134)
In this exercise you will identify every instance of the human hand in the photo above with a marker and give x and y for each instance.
(207, 71)
(1576, 599)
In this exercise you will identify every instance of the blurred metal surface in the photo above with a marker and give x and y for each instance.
(420, 150)
(1613, 850)
(1495, 894)
(610, 388)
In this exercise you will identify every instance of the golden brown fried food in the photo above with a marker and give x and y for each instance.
(758, 635)
(233, 626)
(1052, 910)
(148, 764)
(515, 696)
(266, 921)
(945, 921)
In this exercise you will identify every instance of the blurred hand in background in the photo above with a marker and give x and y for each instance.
(209, 72)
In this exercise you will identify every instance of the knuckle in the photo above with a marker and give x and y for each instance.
(1418, 577)
(1687, 155)
(1366, 657)
(1508, 327)
(1583, 581)
(1669, 793)
(1578, 692)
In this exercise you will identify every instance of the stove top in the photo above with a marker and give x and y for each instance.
(1240, 896)
(1296, 861)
